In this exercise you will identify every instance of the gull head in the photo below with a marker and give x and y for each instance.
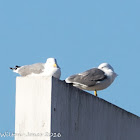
(108, 69)
(105, 66)
(51, 62)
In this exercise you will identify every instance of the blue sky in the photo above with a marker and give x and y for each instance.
(80, 35)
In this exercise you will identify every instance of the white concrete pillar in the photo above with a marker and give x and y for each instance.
(33, 108)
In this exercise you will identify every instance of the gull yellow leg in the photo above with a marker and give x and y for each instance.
(95, 92)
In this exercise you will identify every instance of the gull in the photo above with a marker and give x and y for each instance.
(50, 68)
(94, 79)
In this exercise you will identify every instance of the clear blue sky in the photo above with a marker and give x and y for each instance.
(80, 35)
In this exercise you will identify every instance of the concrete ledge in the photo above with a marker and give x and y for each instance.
(50, 105)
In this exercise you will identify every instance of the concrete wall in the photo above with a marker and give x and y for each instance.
(74, 113)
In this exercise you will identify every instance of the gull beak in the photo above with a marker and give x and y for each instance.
(55, 65)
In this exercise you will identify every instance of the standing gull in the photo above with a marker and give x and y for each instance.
(94, 79)
(50, 68)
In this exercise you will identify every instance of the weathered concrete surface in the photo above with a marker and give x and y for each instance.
(33, 108)
(81, 116)
(50, 105)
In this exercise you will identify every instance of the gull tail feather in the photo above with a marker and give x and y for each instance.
(15, 68)
(70, 79)
(11, 68)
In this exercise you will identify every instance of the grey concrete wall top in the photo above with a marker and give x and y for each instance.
(79, 115)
